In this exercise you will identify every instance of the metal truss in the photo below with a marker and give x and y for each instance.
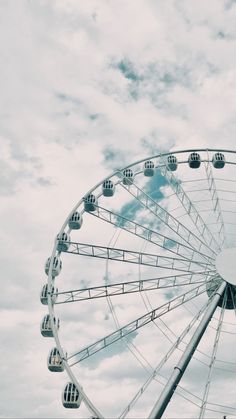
(140, 258)
(190, 209)
(182, 364)
(192, 264)
(165, 242)
(121, 288)
(163, 361)
(213, 357)
(215, 203)
(170, 221)
(136, 324)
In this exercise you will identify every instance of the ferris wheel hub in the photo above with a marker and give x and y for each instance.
(226, 265)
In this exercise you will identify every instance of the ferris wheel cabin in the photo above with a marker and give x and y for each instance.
(44, 294)
(108, 188)
(46, 328)
(63, 242)
(55, 361)
(90, 202)
(194, 160)
(128, 177)
(71, 397)
(218, 160)
(56, 266)
(148, 168)
(172, 163)
(75, 222)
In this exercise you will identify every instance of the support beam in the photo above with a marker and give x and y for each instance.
(139, 258)
(136, 324)
(162, 362)
(180, 368)
(195, 241)
(164, 241)
(122, 288)
(216, 204)
(213, 357)
(202, 228)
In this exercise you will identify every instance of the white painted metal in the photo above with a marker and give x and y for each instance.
(213, 359)
(203, 245)
(191, 209)
(163, 361)
(195, 241)
(181, 366)
(216, 203)
(140, 258)
(136, 324)
(130, 287)
(166, 242)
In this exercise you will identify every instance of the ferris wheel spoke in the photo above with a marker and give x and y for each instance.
(136, 324)
(170, 221)
(165, 242)
(191, 210)
(213, 357)
(163, 361)
(216, 203)
(140, 258)
(181, 366)
(121, 288)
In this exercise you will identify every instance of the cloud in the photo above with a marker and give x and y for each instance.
(87, 89)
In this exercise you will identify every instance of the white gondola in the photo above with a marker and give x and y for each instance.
(90, 202)
(63, 242)
(128, 177)
(75, 222)
(172, 163)
(56, 266)
(194, 160)
(44, 294)
(71, 397)
(46, 327)
(218, 160)
(55, 361)
(148, 168)
(108, 188)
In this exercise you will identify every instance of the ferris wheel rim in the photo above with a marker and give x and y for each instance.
(55, 252)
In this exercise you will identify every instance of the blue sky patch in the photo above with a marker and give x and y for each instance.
(127, 69)
(153, 189)
(115, 349)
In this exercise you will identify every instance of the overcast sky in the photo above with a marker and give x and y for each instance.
(87, 87)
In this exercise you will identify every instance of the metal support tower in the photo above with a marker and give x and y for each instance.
(179, 369)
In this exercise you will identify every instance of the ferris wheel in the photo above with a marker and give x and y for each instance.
(142, 278)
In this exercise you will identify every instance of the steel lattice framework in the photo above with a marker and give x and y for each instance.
(146, 240)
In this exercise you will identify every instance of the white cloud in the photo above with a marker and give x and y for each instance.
(87, 88)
